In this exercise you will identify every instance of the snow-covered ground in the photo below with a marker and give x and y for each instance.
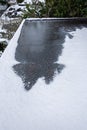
(3, 7)
(15, 11)
(2, 40)
(30, 1)
(62, 105)
(10, 16)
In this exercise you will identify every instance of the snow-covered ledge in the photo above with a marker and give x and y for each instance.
(9, 53)
(61, 105)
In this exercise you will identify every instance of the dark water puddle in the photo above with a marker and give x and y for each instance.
(39, 47)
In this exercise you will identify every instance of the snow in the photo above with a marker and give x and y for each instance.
(12, 10)
(62, 105)
(6, 54)
(2, 30)
(12, 2)
(30, 1)
(3, 40)
(5, 18)
(3, 7)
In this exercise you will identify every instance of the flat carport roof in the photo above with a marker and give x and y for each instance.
(43, 84)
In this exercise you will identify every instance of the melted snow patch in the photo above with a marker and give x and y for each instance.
(60, 106)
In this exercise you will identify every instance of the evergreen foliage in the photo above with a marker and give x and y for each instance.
(69, 8)
(56, 8)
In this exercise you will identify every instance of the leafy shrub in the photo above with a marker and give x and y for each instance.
(35, 10)
(56, 8)
(2, 46)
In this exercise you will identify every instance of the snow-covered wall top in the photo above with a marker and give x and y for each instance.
(48, 58)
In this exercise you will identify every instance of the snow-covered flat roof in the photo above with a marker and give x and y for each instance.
(43, 77)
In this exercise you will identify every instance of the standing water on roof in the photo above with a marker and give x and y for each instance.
(51, 57)
(39, 47)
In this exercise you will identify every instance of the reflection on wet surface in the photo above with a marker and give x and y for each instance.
(39, 47)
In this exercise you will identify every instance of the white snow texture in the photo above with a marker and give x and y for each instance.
(62, 105)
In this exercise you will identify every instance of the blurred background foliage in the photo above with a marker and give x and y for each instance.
(19, 1)
(56, 8)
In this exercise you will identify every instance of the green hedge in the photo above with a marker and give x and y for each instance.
(57, 8)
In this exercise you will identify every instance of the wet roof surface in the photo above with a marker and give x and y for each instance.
(49, 56)
(39, 47)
